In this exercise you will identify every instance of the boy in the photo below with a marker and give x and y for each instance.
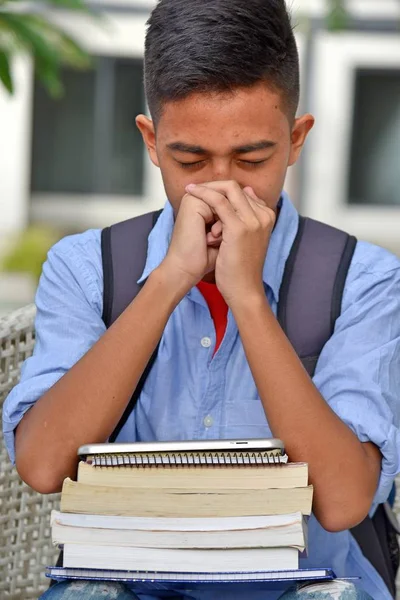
(222, 83)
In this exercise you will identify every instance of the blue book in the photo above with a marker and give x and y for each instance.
(165, 583)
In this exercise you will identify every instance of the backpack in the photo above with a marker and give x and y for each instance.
(310, 302)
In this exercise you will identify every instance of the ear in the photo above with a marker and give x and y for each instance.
(301, 128)
(146, 128)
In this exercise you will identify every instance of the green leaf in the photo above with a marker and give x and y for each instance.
(46, 57)
(70, 51)
(5, 72)
(337, 21)
(49, 75)
(48, 44)
(44, 36)
(29, 38)
(338, 17)
(71, 4)
(28, 250)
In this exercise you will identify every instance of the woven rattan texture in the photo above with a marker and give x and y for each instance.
(25, 545)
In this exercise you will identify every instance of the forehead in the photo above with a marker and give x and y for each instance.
(224, 118)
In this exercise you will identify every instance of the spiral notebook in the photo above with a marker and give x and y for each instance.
(194, 453)
(145, 582)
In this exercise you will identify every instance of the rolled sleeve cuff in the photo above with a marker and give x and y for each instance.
(19, 401)
(389, 469)
(370, 425)
(9, 439)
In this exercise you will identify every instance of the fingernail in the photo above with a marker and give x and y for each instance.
(190, 187)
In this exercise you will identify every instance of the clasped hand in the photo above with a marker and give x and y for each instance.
(223, 228)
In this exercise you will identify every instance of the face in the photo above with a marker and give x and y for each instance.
(245, 136)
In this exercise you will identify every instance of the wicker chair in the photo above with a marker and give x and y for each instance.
(25, 545)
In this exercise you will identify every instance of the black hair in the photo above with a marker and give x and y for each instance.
(219, 46)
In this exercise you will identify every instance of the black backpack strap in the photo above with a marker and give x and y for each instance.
(377, 538)
(310, 302)
(124, 253)
(310, 298)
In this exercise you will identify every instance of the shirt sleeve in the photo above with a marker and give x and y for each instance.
(68, 322)
(358, 372)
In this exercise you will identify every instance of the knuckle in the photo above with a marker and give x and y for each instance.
(267, 216)
(271, 219)
(255, 226)
(220, 199)
(187, 198)
(240, 227)
(231, 185)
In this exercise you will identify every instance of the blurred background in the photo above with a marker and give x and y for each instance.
(72, 159)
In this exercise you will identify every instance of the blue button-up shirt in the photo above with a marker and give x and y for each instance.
(192, 395)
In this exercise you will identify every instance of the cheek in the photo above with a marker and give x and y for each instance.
(174, 183)
(269, 184)
(177, 179)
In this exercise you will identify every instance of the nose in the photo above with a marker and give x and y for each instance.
(222, 170)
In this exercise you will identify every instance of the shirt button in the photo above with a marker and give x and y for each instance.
(206, 342)
(208, 421)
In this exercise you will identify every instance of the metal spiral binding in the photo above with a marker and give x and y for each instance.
(193, 459)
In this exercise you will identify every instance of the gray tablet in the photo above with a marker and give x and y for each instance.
(241, 445)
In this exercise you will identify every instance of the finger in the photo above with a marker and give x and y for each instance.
(213, 241)
(236, 196)
(250, 192)
(216, 229)
(254, 201)
(265, 215)
(216, 201)
(214, 236)
(192, 204)
(213, 229)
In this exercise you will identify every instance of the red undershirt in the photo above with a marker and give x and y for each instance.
(218, 309)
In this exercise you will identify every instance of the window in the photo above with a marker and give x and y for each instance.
(375, 153)
(352, 174)
(87, 142)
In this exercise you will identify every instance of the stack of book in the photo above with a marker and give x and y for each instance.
(178, 513)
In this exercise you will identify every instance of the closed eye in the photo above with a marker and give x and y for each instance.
(198, 163)
(188, 165)
(253, 163)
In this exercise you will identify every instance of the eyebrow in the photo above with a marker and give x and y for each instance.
(182, 147)
(263, 145)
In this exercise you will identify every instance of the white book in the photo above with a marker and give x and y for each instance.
(157, 532)
(185, 561)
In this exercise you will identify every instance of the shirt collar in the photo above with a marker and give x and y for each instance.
(159, 241)
(280, 245)
(281, 242)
